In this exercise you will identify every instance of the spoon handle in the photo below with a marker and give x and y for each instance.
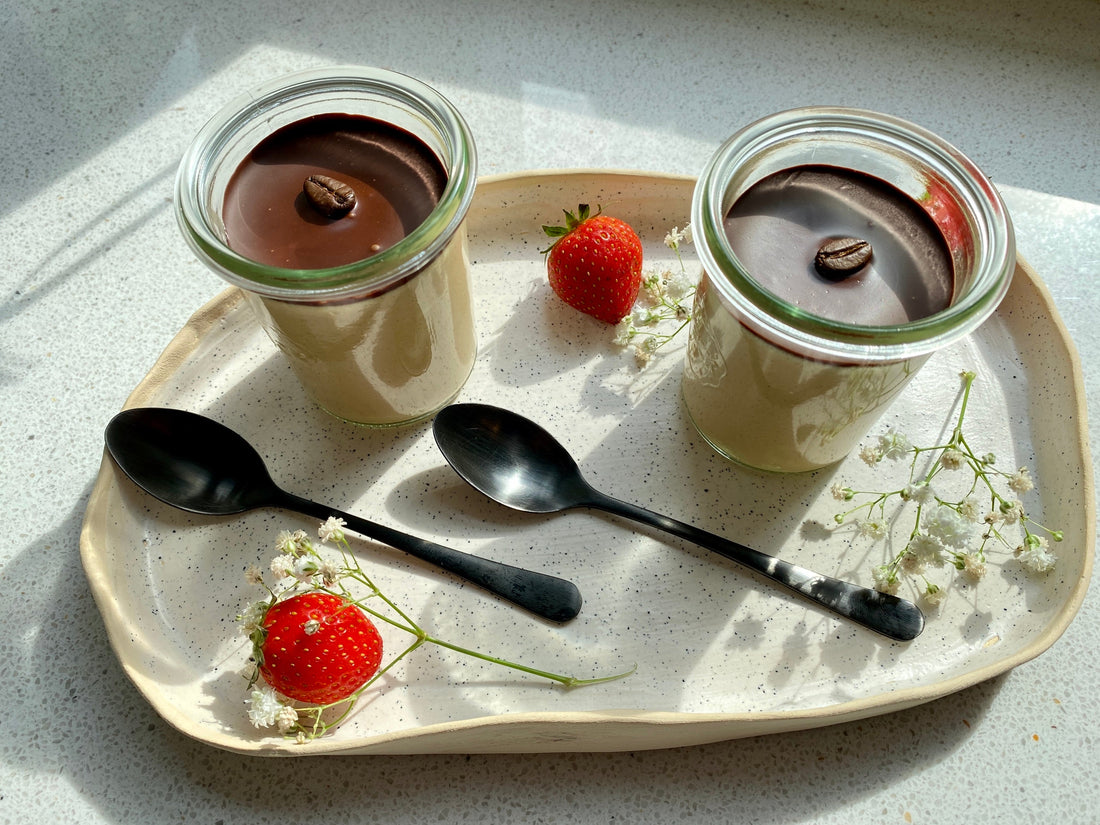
(886, 614)
(544, 595)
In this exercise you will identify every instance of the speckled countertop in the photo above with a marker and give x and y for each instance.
(99, 100)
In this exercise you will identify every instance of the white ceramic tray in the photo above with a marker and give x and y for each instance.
(720, 653)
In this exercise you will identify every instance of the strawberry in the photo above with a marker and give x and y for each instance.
(318, 648)
(595, 264)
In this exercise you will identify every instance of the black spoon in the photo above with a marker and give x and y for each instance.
(196, 464)
(517, 463)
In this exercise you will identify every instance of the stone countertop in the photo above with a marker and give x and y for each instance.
(99, 101)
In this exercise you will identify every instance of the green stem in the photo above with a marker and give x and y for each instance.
(356, 572)
(968, 382)
(568, 681)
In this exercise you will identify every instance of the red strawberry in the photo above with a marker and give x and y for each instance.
(319, 648)
(595, 265)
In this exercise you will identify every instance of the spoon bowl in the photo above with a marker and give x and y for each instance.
(189, 461)
(509, 458)
(515, 462)
(196, 464)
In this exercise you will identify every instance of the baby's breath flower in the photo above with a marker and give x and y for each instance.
(311, 627)
(947, 525)
(970, 509)
(973, 565)
(624, 331)
(870, 455)
(1011, 511)
(330, 572)
(933, 595)
(893, 445)
(283, 566)
(263, 707)
(643, 355)
(1021, 482)
(871, 528)
(292, 543)
(919, 491)
(286, 718)
(886, 579)
(251, 618)
(912, 563)
(332, 529)
(842, 493)
(674, 238)
(926, 549)
(254, 575)
(951, 459)
(679, 287)
(1035, 554)
(304, 569)
(989, 459)
(286, 543)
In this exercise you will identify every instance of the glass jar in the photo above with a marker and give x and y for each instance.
(778, 386)
(382, 340)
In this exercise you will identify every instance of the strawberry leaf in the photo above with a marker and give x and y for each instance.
(572, 221)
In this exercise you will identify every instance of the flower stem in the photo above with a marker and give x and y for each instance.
(568, 681)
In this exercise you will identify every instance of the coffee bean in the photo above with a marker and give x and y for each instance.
(838, 258)
(330, 197)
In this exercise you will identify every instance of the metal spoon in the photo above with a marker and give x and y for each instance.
(517, 463)
(196, 464)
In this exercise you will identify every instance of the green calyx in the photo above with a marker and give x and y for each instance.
(257, 637)
(571, 222)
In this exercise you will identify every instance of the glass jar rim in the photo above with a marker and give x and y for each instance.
(794, 327)
(374, 274)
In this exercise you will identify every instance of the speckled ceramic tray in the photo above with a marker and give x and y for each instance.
(720, 653)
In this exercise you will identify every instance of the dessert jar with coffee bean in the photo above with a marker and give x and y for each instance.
(840, 249)
(336, 200)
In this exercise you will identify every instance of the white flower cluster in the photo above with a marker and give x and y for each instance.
(947, 531)
(298, 561)
(265, 709)
(665, 296)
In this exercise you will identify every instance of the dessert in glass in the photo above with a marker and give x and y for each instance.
(840, 249)
(336, 199)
